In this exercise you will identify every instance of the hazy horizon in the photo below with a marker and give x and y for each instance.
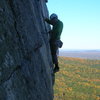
(80, 53)
(62, 49)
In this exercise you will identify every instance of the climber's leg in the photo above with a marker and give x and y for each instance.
(56, 69)
(55, 59)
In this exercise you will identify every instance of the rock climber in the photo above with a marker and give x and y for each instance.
(55, 35)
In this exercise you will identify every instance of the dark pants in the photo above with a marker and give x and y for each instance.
(54, 50)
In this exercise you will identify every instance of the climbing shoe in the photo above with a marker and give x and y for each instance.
(56, 69)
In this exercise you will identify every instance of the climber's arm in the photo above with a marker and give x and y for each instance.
(48, 21)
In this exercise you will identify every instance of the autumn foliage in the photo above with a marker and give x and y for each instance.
(78, 79)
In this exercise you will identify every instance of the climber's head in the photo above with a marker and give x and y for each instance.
(53, 17)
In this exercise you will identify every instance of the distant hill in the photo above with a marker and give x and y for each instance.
(86, 54)
(78, 79)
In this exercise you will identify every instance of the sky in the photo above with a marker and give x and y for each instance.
(81, 19)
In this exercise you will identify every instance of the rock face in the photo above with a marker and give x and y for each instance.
(25, 61)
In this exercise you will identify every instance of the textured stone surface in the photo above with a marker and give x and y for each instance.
(25, 61)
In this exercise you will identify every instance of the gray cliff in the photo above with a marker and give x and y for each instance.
(25, 59)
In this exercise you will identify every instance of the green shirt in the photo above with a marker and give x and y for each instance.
(56, 30)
